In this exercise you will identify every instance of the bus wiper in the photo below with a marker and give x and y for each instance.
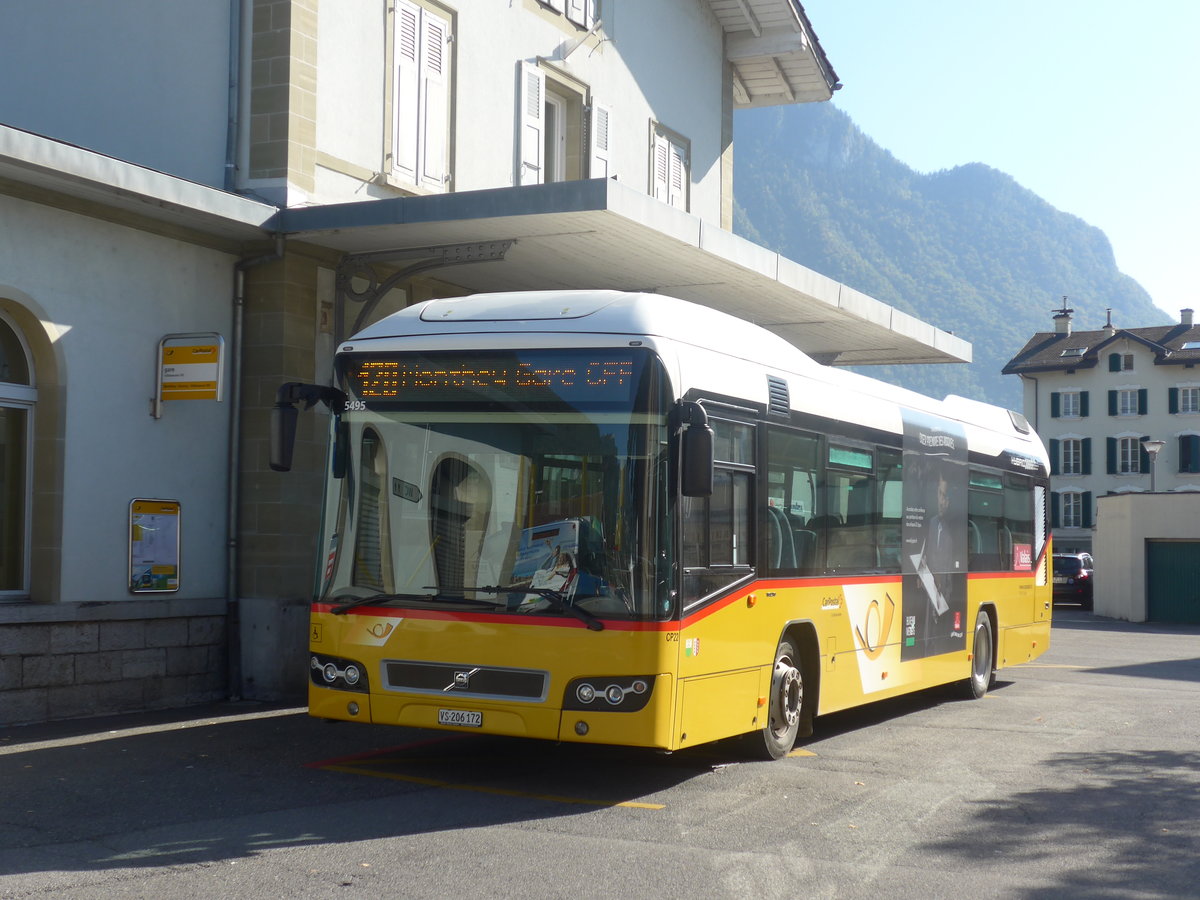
(393, 598)
(555, 598)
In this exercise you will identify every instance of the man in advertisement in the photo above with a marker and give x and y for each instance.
(934, 559)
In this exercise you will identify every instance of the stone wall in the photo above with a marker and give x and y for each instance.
(64, 661)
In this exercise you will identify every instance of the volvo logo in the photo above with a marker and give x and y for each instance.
(462, 680)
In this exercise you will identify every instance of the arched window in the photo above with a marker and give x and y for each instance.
(18, 396)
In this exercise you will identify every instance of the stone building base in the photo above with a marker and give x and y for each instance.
(68, 660)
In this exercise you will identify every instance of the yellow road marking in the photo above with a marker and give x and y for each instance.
(482, 789)
(801, 752)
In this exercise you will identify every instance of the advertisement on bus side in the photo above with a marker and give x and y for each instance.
(933, 562)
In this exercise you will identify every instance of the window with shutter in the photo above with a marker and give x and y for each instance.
(582, 12)
(559, 139)
(670, 168)
(1072, 510)
(1189, 453)
(1072, 457)
(420, 97)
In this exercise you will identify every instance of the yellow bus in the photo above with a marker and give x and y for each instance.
(626, 519)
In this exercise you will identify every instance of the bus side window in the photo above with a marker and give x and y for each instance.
(891, 509)
(1018, 521)
(789, 546)
(851, 501)
(985, 523)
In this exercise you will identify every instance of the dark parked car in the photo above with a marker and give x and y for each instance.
(1073, 578)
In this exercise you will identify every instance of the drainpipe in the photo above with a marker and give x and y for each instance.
(236, 14)
(233, 617)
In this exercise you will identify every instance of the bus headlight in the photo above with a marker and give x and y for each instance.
(334, 672)
(621, 693)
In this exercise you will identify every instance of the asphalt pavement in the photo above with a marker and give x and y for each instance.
(1079, 775)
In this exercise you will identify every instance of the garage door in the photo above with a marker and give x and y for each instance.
(1173, 581)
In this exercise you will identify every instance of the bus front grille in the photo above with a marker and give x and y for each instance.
(465, 680)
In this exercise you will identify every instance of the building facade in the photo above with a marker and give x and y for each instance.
(313, 167)
(1119, 411)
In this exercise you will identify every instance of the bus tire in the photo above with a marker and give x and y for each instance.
(983, 669)
(785, 703)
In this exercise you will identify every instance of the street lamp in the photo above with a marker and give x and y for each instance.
(1152, 448)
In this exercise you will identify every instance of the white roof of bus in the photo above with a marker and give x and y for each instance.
(656, 315)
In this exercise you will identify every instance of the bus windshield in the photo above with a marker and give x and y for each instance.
(531, 483)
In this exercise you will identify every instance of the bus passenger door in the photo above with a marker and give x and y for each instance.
(718, 678)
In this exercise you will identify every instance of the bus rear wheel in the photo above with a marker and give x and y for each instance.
(982, 661)
(784, 704)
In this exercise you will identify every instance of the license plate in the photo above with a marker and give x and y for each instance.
(1061, 579)
(469, 718)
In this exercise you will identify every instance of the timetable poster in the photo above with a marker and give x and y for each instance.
(153, 546)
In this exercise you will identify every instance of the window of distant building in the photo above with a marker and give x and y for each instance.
(1072, 456)
(1120, 362)
(1072, 510)
(420, 109)
(1189, 454)
(1128, 402)
(1069, 404)
(1183, 399)
(1125, 455)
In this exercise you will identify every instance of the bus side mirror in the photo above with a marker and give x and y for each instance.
(284, 416)
(696, 463)
(283, 435)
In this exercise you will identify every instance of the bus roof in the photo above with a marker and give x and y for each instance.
(656, 315)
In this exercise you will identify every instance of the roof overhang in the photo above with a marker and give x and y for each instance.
(570, 235)
(601, 234)
(104, 185)
(775, 54)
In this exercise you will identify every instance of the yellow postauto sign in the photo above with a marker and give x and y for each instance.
(191, 369)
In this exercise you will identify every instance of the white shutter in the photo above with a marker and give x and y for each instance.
(660, 167)
(435, 58)
(531, 116)
(406, 90)
(598, 137)
(556, 5)
(678, 176)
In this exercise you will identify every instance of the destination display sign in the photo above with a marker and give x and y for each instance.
(547, 376)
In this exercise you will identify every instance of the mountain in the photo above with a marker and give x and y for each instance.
(966, 249)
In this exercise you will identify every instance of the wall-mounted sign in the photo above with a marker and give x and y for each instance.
(153, 546)
(190, 367)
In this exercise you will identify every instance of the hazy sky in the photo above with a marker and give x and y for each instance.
(1091, 104)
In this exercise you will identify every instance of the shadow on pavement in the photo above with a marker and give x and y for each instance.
(162, 790)
(1140, 805)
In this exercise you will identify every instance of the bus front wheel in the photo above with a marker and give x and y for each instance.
(982, 662)
(784, 704)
